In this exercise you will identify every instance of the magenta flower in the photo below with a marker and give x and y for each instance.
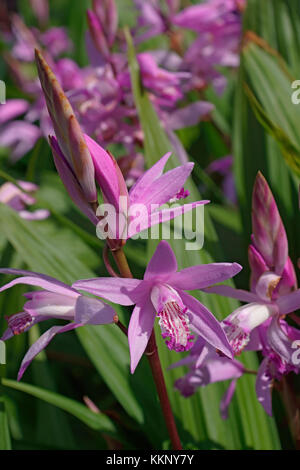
(269, 248)
(261, 307)
(56, 300)
(151, 21)
(223, 167)
(155, 188)
(161, 293)
(97, 34)
(141, 206)
(279, 351)
(164, 84)
(273, 280)
(107, 13)
(17, 199)
(19, 135)
(218, 24)
(41, 10)
(55, 41)
(200, 18)
(206, 367)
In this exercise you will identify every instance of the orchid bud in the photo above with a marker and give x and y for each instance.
(269, 235)
(41, 10)
(107, 13)
(97, 33)
(69, 135)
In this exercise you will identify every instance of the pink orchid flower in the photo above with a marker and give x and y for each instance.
(273, 281)
(260, 325)
(17, 199)
(206, 367)
(161, 293)
(280, 352)
(56, 300)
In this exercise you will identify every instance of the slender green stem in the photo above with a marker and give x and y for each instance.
(153, 357)
(122, 263)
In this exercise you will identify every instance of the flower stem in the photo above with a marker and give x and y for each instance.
(122, 263)
(153, 357)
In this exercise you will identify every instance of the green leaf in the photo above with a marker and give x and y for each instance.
(5, 443)
(58, 429)
(290, 152)
(98, 422)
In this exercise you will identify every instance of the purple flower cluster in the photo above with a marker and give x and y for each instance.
(260, 324)
(101, 93)
(83, 110)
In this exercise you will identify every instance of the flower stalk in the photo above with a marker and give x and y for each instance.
(154, 361)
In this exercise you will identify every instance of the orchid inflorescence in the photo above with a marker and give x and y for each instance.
(185, 323)
(73, 104)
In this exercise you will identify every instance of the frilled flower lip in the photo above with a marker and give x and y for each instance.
(258, 310)
(162, 270)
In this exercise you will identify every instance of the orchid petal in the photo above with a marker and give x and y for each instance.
(141, 186)
(51, 305)
(12, 108)
(264, 385)
(40, 280)
(117, 290)
(228, 291)
(40, 214)
(93, 311)
(8, 333)
(204, 275)
(289, 303)
(139, 331)
(206, 325)
(162, 264)
(266, 284)
(222, 368)
(153, 218)
(70, 182)
(167, 186)
(279, 341)
(105, 172)
(226, 399)
(41, 344)
(257, 265)
(190, 115)
(251, 315)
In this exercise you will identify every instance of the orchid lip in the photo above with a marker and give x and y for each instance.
(19, 322)
(173, 318)
(238, 338)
